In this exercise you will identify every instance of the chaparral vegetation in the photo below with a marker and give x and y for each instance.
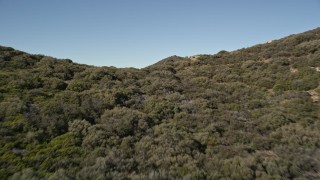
(253, 113)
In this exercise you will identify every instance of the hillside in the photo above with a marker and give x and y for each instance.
(253, 113)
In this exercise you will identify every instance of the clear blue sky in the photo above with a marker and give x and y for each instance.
(137, 33)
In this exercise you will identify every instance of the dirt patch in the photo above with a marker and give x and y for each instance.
(270, 154)
(293, 70)
(314, 95)
(270, 91)
(194, 58)
(266, 60)
(316, 68)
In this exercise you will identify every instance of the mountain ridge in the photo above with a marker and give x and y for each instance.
(188, 57)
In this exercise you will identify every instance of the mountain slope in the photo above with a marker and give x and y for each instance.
(248, 114)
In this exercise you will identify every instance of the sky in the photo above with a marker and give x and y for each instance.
(138, 33)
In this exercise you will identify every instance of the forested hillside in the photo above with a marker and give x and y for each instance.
(253, 113)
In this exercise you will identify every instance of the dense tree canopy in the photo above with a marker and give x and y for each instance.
(252, 113)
